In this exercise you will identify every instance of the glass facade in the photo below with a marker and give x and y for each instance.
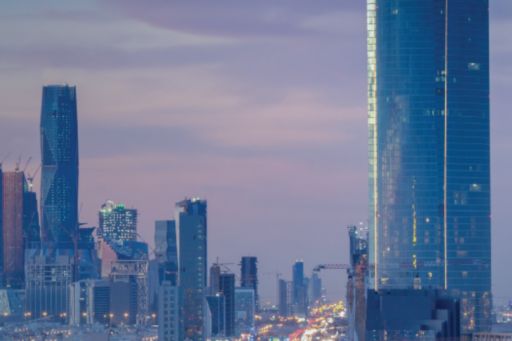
(59, 152)
(191, 226)
(117, 223)
(429, 158)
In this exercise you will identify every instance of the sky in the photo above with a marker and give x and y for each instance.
(257, 106)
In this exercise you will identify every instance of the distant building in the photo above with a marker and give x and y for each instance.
(299, 302)
(117, 223)
(216, 305)
(129, 301)
(285, 297)
(245, 308)
(89, 302)
(407, 315)
(166, 250)
(47, 280)
(315, 288)
(191, 224)
(215, 279)
(59, 171)
(227, 289)
(357, 280)
(14, 188)
(249, 276)
(169, 312)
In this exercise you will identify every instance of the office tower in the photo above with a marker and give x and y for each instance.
(227, 289)
(429, 177)
(117, 223)
(285, 297)
(19, 225)
(408, 314)
(59, 171)
(166, 250)
(89, 302)
(168, 312)
(249, 275)
(214, 278)
(299, 289)
(315, 288)
(216, 305)
(47, 280)
(191, 224)
(12, 247)
(245, 308)
(129, 300)
(357, 280)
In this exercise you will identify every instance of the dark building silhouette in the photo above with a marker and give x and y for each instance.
(14, 186)
(429, 150)
(59, 171)
(249, 276)
(191, 225)
(227, 289)
(407, 315)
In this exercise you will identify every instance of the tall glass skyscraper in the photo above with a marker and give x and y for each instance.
(59, 178)
(429, 177)
(191, 227)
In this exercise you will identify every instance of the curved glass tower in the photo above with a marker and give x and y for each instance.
(59, 174)
(429, 158)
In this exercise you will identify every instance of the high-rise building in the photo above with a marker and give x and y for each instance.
(47, 281)
(429, 177)
(191, 225)
(19, 225)
(166, 250)
(59, 171)
(249, 275)
(117, 223)
(299, 289)
(12, 247)
(168, 312)
(227, 289)
(216, 305)
(214, 278)
(245, 308)
(285, 297)
(89, 302)
(315, 288)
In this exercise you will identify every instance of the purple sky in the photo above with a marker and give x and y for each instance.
(259, 107)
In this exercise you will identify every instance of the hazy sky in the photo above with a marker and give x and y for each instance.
(257, 106)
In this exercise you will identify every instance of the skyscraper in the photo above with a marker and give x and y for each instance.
(249, 275)
(429, 176)
(12, 232)
(227, 288)
(191, 226)
(117, 223)
(19, 226)
(59, 153)
(299, 289)
(166, 250)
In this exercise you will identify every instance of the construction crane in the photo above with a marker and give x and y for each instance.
(30, 178)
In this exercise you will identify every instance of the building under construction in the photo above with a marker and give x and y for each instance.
(356, 286)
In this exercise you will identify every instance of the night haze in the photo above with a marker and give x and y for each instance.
(258, 107)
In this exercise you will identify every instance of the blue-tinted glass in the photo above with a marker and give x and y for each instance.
(429, 148)
(59, 178)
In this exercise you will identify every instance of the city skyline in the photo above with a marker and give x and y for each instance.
(283, 150)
